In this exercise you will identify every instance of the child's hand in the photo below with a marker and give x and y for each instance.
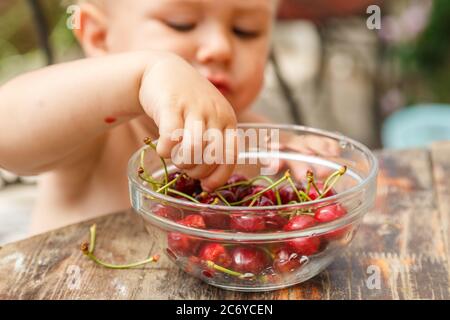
(308, 145)
(176, 96)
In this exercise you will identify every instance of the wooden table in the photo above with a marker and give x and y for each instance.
(404, 240)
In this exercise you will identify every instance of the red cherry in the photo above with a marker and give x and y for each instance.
(249, 260)
(242, 192)
(287, 193)
(299, 223)
(274, 221)
(261, 201)
(193, 221)
(228, 195)
(182, 244)
(313, 195)
(216, 253)
(235, 178)
(304, 246)
(270, 194)
(184, 183)
(285, 260)
(205, 197)
(329, 213)
(247, 222)
(217, 220)
(167, 212)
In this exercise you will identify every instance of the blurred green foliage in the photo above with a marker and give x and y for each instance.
(19, 44)
(425, 61)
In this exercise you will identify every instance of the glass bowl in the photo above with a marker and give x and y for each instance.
(272, 258)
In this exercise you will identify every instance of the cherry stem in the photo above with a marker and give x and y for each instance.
(253, 202)
(221, 197)
(88, 251)
(304, 213)
(270, 181)
(273, 185)
(249, 183)
(268, 252)
(181, 194)
(212, 265)
(232, 185)
(300, 194)
(311, 182)
(171, 183)
(335, 174)
(297, 212)
(335, 177)
(144, 175)
(149, 142)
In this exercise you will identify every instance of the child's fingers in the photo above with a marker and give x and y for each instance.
(218, 178)
(166, 141)
(201, 171)
(178, 158)
(193, 143)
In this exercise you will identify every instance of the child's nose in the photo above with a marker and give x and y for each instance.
(216, 47)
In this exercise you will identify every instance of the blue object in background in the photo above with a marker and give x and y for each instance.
(417, 126)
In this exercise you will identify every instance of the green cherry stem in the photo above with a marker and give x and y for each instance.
(168, 185)
(336, 176)
(154, 258)
(267, 252)
(246, 183)
(338, 173)
(212, 265)
(221, 197)
(311, 182)
(181, 194)
(145, 175)
(88, 251)
(93, 236)
(232, 185)
(251, 204)
(270, 181)
(274, 185)
(300, 194)
(149, 142)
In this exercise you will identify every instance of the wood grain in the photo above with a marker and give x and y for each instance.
(405, 237)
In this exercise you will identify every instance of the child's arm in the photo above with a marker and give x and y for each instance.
(54, 117)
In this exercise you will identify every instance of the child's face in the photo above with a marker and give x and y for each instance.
(227, 41)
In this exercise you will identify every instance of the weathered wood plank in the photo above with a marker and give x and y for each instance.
(47, 266)
(440, 154)
(404, 239)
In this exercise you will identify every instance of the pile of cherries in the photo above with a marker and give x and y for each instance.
(249, 260)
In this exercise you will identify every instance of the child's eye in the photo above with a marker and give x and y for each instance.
(245, 34)
(181, 27)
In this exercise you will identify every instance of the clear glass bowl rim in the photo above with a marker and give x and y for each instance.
(326, 227)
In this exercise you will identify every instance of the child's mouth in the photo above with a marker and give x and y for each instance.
(222, 88)
(221, 85)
